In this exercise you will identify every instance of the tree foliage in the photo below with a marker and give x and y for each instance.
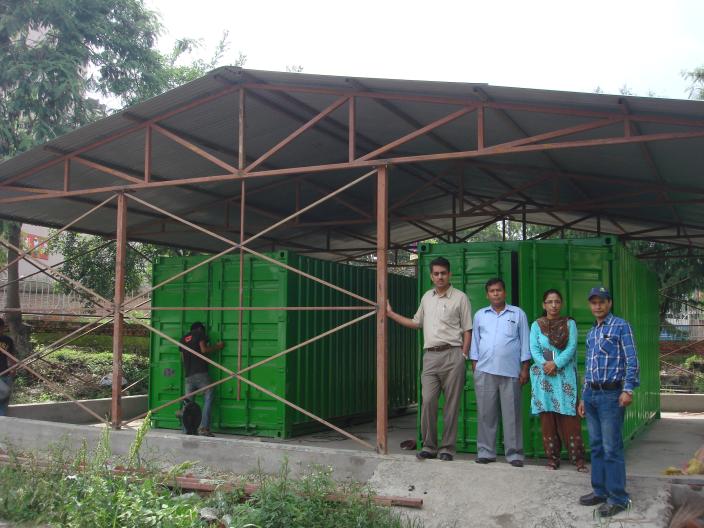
(55, 57)
(696, 76)
(677, 277)
(94, 266)
(81, 249)
(178, 67)
(56, 53)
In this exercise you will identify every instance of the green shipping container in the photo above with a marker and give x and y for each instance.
(572, 266)
(334, 377)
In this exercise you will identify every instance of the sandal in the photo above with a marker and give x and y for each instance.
(583, 469)
(553, 465)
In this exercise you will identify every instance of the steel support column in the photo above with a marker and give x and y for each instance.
(119, 319)
(382, 357)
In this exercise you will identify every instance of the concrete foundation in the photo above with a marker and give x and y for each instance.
(69, 412)
(460, 493)
(693, 403)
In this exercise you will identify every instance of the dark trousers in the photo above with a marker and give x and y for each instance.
(605, 423)
(561, 430)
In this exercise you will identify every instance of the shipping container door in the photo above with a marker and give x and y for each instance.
(244, 409)
(166, 373)
(573, 269)
(470, 271)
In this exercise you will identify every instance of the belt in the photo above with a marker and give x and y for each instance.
(439, 348)
(609, 385)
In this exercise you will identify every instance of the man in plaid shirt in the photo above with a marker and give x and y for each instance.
(611, 374)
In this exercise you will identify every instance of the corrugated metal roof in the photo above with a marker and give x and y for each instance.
(587, 176)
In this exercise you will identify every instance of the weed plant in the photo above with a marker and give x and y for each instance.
(83, 491)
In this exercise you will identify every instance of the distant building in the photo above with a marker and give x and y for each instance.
(34, 237)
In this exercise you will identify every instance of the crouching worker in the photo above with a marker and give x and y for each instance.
(196, 371)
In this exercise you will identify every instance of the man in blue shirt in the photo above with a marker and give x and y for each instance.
(500, 355)
(611, 374)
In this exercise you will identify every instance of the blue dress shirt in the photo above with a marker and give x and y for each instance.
(611, 354)
(500, 341)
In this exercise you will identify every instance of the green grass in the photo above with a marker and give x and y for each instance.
(81, 491)
(138, 345)
(83, 363)
(88, 358)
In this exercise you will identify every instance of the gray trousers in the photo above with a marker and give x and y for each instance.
(492, 390)
(442, 371)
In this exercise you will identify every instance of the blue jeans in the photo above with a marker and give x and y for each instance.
(195, 382)
(4, 403)
(605, 423)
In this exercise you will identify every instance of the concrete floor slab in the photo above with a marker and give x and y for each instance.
(670, 441)
(463, 494)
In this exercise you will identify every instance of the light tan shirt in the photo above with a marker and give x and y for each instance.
(444, 317)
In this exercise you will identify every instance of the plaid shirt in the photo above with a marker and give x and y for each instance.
(611, 354)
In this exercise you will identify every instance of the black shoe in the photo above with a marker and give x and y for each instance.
(609, 510)
(446, 457)
(424, 455)
(482, 460)
(516, 463)
(591, 500)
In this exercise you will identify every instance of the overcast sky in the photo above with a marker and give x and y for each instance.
(561, 45)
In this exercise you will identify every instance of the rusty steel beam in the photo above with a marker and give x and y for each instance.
(255, 308)
(352, 129)
(47, 270)
(147, 154)
(22, 254)
(46, 350)
(19, 188)
(123, 133)
(106, 170)
(55, 386)
(244, 380)
(493, 150)
(342, 128)
(309, 341)
(240, 320)
(118, 319)
(241, 128)
(545, 109)
(382, 295)
(349, 205)
(580, 176)
(235, 245)
(523, 196)
(194, 148)
(298, 132)
(67, 174)
(647, 155)
(419, 132)
(480, 128)
(512, 122)
(592, 125)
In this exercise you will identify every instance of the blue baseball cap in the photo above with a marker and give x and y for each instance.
(599, 291)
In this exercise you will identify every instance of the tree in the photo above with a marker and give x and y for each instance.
(696, 76)
(55, 55)
(81, 249)
(678, 273)
(172, 72)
